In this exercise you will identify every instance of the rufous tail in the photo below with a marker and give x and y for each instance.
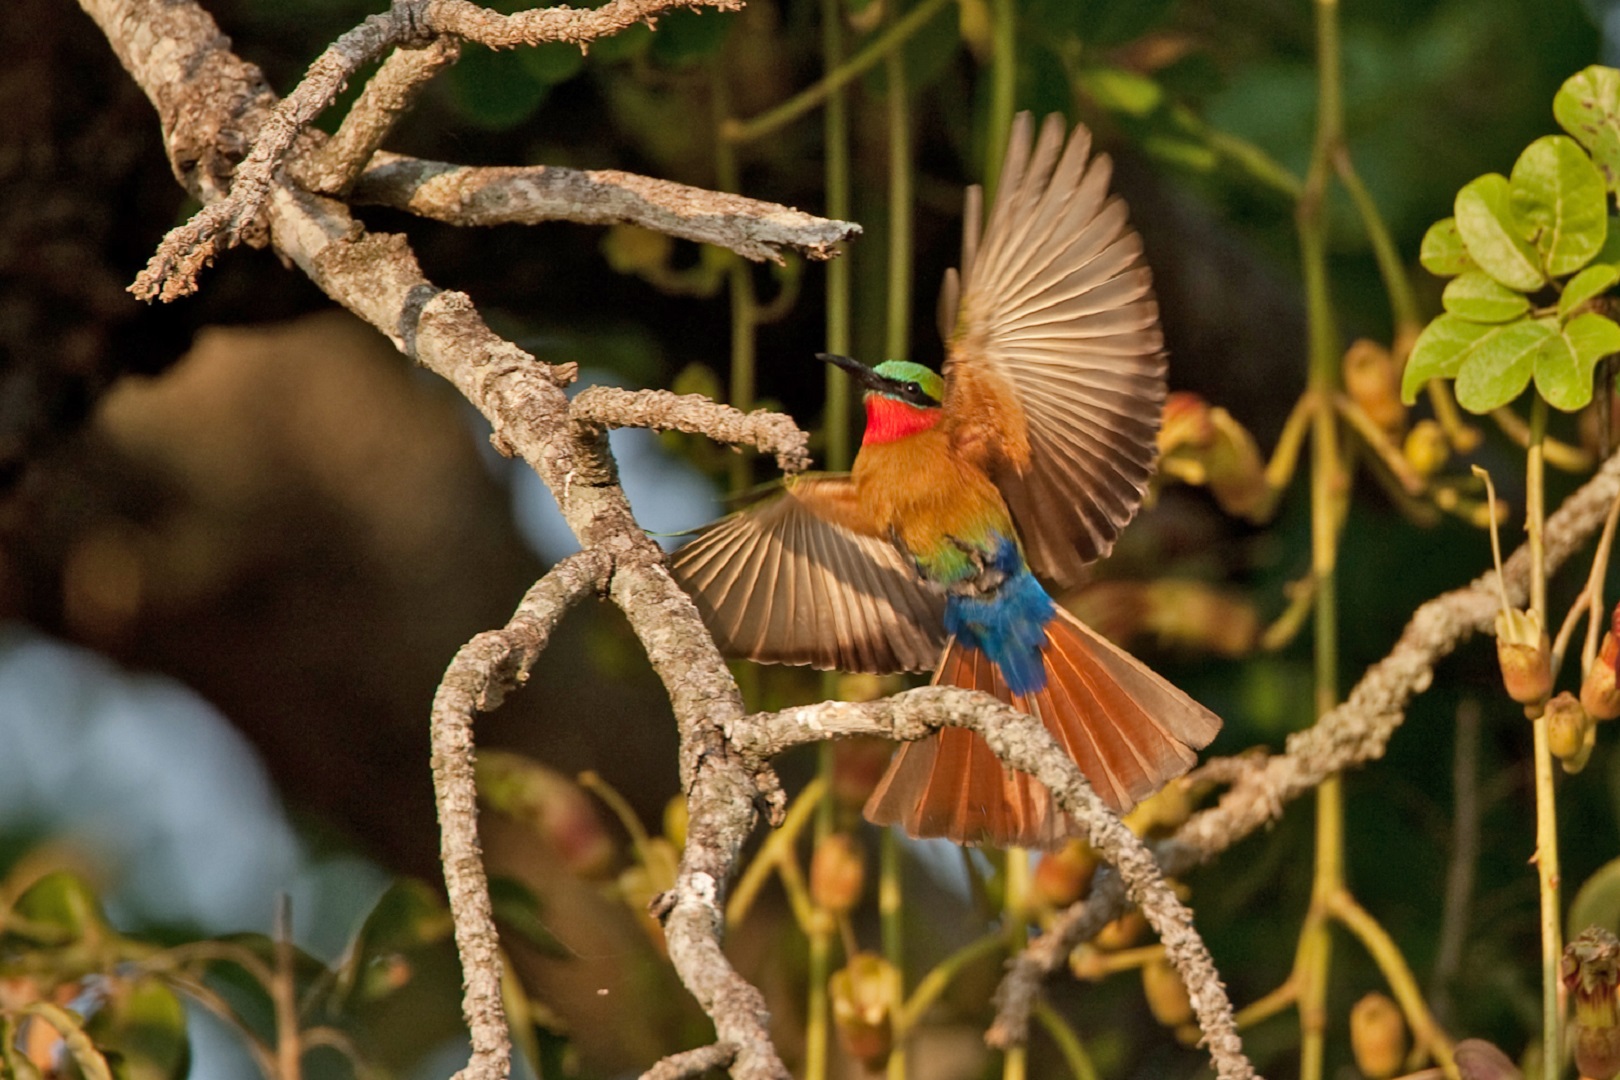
(1127, 728)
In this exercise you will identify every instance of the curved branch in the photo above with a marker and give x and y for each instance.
(771, 433)
(478, 678)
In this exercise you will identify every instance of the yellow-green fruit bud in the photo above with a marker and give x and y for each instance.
(1377, 1036)
(864, 996)
(1064, 875)
(1525, 653)
(1373, 381)
(1567, 726)
(1166, 993)
(837, 873)
(1123, 932)
(1163, 812)
(676, 815)
(1426, 448)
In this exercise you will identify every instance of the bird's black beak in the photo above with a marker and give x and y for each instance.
(858, 371)
(881, 384)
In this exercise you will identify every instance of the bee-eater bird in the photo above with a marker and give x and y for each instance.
(1030, 454)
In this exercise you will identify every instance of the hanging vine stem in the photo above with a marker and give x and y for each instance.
(741, 131)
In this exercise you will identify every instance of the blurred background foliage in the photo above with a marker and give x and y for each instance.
(240, 538)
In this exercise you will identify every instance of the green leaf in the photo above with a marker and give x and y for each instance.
(1439, 352)
(1443, 253)
(1479, 297)
(552, 62)
(59, 906)
(1585, 285)
(494, 89)
(1120, 90)
(1565, 363)
(1588, 107)
(408, 916)
(145, 1023)
(1499, 366)
(1494, 237)
(685, 37)
(1559, 193)
(1598, 901)
(627, 44)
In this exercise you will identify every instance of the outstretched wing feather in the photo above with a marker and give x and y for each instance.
(796, 580)
(1057, 324)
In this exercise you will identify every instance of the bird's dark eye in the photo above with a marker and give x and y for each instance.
(914, 388)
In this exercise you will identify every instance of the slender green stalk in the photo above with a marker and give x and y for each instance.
(1397, 283)
(836, 154)
(1067, 1040)
(1003, 89)
(1015, 905)
(1387, 955)
(939, 977)
(777, 849)
(739, 131)
(898, 323)
(741, 281)
(1316, 943)
(284, 993)
(1547, 877)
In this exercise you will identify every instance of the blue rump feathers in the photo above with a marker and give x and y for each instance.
(1009, 626)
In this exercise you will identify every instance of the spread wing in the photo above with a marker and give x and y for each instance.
(1055, 363)
(799, 580)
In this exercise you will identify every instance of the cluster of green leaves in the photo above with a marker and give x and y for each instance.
(1530, 257)
(75, 988)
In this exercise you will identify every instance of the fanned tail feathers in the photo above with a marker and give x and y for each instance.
(1127, 728)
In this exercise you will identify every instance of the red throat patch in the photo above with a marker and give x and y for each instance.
(888, 420)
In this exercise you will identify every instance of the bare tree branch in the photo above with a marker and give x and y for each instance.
(771, 433)
(389, 94)
(172, 271)
(1352, 734)
(467, 195)
(483, 671)
(691, 1063)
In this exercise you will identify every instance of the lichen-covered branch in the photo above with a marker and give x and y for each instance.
(173, 269)
(500, 195)
(1022, 742)
(392, 92)
(691, 1063)
(659, 410)
(1355, 732)
(482, 672)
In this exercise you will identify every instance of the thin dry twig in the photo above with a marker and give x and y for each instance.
(497, 195)
(773, 433)
(389, 94)
(479, 677)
